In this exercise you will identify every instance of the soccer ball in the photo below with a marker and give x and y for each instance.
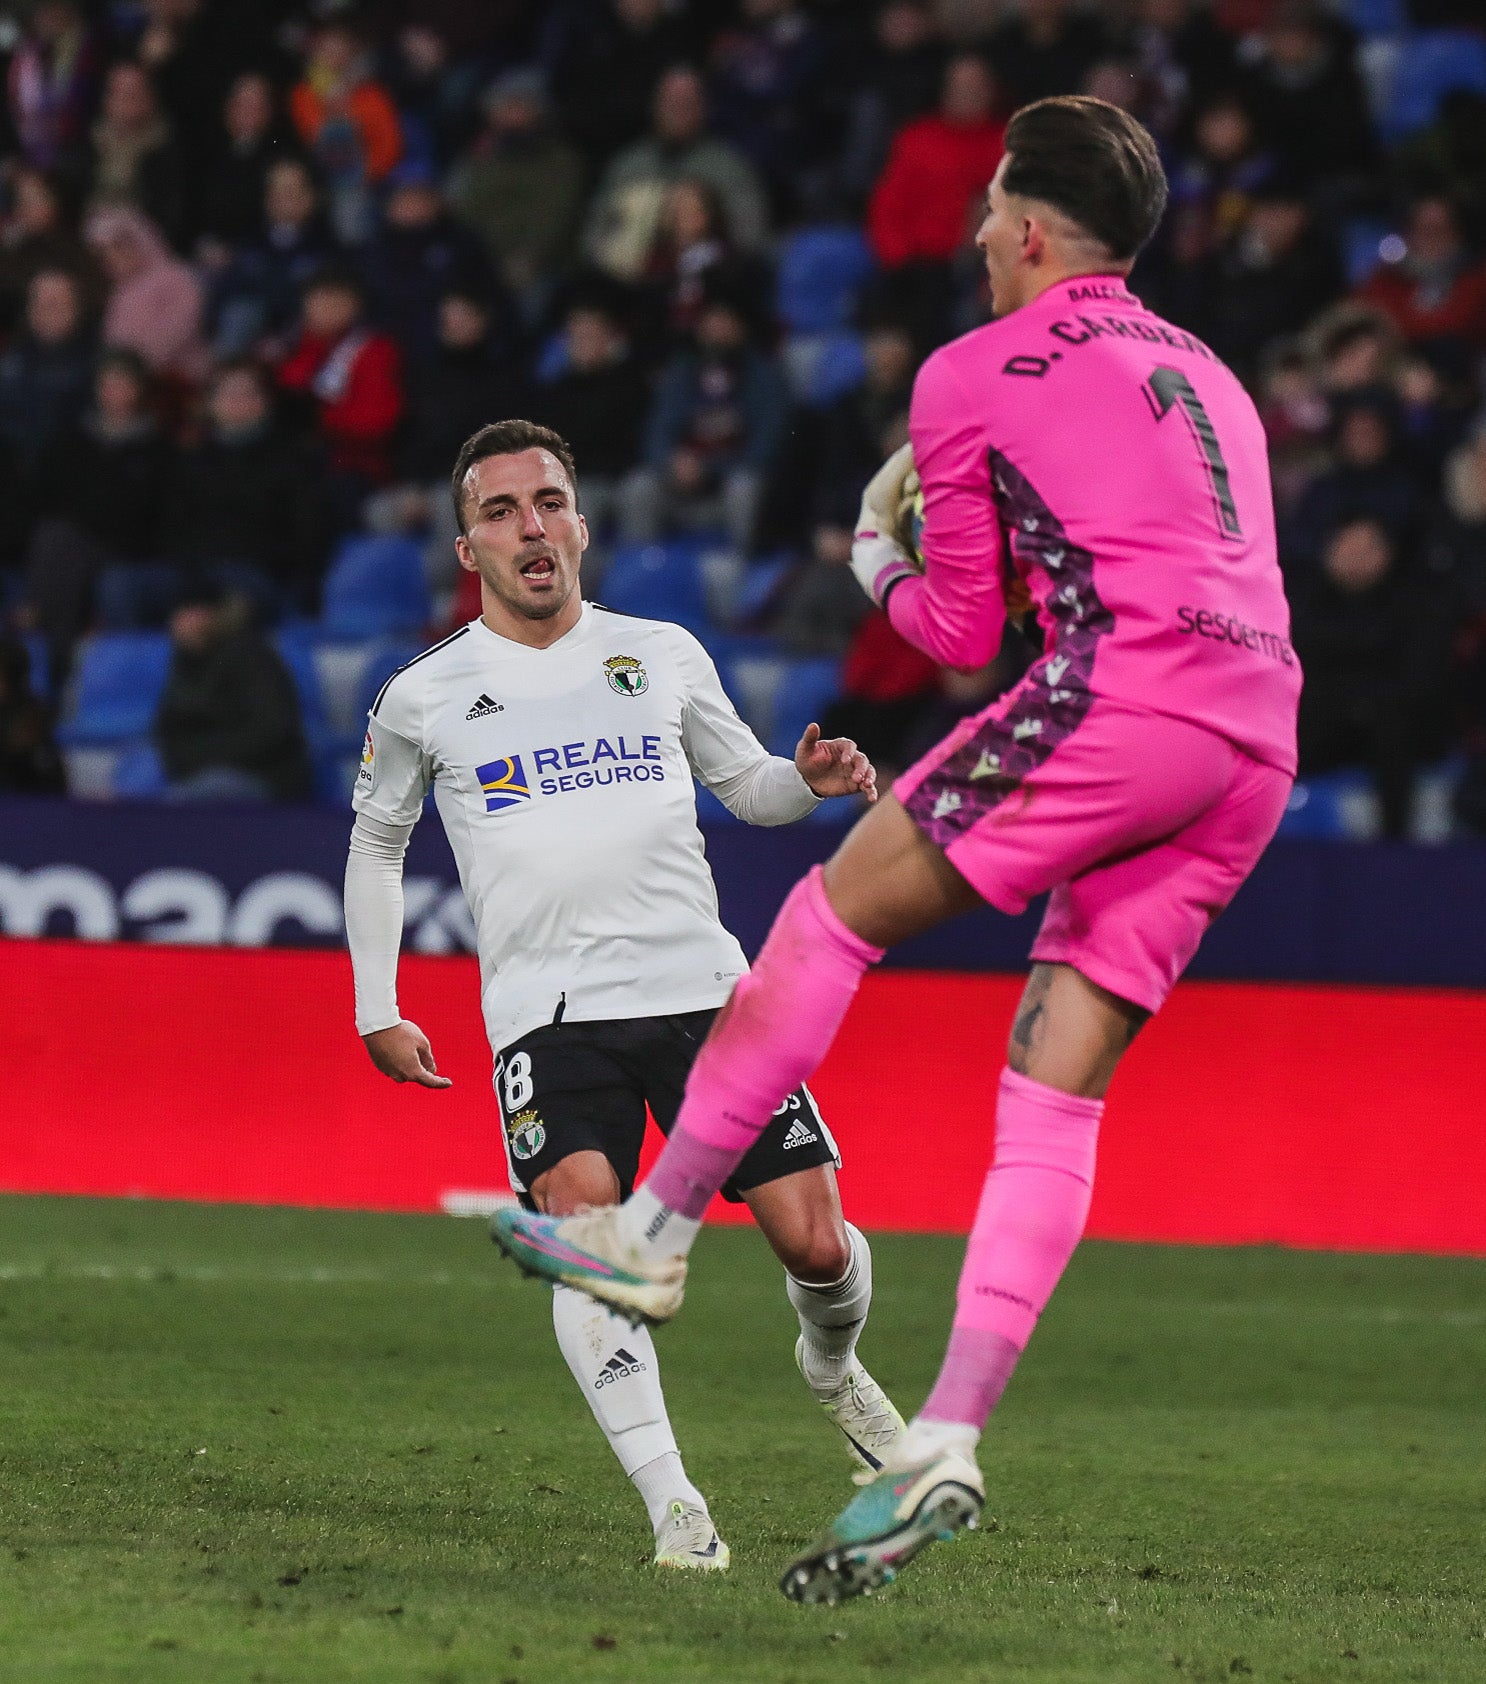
(909, 526)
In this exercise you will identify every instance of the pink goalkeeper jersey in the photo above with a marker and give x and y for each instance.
(1113, 463)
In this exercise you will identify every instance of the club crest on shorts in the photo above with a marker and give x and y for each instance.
(626, 675)
(527, 1134)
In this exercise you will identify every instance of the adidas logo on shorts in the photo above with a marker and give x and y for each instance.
(484, 706)
(617, 1367)
(799, 1135)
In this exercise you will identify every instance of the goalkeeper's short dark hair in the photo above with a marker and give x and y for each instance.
(1092, 161)
(507, 438)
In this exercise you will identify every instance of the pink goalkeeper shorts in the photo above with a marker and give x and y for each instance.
(1142, 826)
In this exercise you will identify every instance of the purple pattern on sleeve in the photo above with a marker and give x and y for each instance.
(1050, 703)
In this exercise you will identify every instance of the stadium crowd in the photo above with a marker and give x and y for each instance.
(263, 267)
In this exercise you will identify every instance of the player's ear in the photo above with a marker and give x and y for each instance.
(465, 553)
(583, 532)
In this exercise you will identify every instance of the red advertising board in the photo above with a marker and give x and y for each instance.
(1347, 1118)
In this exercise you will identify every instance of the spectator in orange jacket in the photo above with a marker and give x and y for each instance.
(353, 377)
(926, 202)
(1437, 290)
(348, 121)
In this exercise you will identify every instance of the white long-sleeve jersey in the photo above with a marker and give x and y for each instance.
(564, 780)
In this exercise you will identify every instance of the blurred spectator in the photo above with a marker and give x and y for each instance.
(899, 81)
(1309, 98)
(1046, 47)
(243, 506)
(349, 123)
(691, 245)
(135, 159)
(608, 63)
(1296, 420)
(194, 51)
(599, 404)
(1371, 478)
(1449, 157)
(39, 233)
(52, 85)
(352, 376)
(419, 253)
(924, 207)
(1374, 646)
(29, 762)
(155, 304)
(885, 686)
(228, 726)
(250, 137)
(434, 91)
(817, 483)
(1182, 56)
(716, 423)
(256, 298)
(46, 373)
(626, 207)
(99, 497)
(520, 188)
(1436, 290)
(768, 98)
(1213, 184)
(1269, 278)
(1356, 348)
(465, 382)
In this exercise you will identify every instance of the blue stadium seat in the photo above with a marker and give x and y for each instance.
(41, 664)
(381, 663)
(821, 272)
(808, 686)
(822, 367)
(374, 588)
(137, 773)
(1378, 17)
(1334, 807)
(115, 689)
(1429, 65)
(658, 582)
(299, 657)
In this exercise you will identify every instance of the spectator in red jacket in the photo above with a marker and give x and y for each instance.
(353, 376)
(928, 198)
(1436, 290)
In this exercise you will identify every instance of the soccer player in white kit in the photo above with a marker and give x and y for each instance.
(560, 741)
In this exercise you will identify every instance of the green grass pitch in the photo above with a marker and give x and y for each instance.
(275, 1445)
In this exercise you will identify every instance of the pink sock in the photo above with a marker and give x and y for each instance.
(1031, 1216)
(769, 1038)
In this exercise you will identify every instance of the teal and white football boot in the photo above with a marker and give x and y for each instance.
(589, 1253)
(885, 1525)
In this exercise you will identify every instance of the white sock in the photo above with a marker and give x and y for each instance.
(832, 1317)
(932, 1438)
(663, 1482)
(653, 1229)
(616, 1369)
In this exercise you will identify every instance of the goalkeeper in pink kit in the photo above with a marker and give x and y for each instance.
(1081, 451)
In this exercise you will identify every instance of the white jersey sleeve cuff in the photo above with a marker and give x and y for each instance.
(769, 792)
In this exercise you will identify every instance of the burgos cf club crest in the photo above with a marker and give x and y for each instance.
(526, 1134)
(504, 783)
(627, 677)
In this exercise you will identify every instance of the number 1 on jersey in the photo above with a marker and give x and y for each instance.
(1169, 386)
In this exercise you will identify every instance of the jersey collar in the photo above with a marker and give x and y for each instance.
(509, 646)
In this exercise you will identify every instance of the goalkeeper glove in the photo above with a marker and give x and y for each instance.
(878, 559)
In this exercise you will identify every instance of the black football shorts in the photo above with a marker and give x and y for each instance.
(574, 1087)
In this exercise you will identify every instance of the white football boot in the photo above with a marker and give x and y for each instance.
(862, 1410)
(687, 1538)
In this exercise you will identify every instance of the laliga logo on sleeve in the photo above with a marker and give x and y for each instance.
(626, 675)
(364, 774)
(504, 783)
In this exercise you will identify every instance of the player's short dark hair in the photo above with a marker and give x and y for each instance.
(1092, 161)
(507, 438)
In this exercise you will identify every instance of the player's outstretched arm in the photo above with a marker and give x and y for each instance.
(403, 1053)
(834, 765)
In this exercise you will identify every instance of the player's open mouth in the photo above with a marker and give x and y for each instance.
(540, 571)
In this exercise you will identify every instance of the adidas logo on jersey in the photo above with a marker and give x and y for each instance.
(484, 706)
(799, 1135)
(617, 1367)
